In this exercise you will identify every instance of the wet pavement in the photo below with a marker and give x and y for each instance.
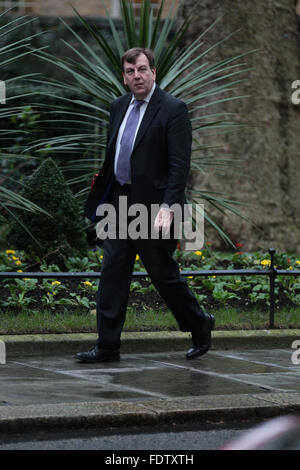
(44, 392)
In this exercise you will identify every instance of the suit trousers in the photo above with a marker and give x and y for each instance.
(114, 287)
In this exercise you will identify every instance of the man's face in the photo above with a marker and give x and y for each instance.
(139, 77)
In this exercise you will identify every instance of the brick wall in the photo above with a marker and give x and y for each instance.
(63, 7)
(87, 8)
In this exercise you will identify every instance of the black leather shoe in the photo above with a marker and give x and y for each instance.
(202, 339)
(99, 355)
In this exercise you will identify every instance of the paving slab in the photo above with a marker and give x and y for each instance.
(48, 391)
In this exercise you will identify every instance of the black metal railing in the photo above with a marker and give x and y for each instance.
(272, 273)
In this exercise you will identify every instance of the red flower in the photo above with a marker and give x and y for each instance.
(94, 179)
(239, 245)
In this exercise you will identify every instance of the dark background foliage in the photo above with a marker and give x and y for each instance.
(57, 234)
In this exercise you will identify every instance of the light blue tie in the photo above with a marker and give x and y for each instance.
(126, 144)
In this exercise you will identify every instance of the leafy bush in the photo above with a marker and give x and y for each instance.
(54, 234)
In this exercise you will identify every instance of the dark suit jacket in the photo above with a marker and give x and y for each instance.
(160, 160)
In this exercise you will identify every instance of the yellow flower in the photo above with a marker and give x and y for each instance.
(190, 277)
(87, 283)
(198, 253)
(298, 261)
(266, 262)
(26, 278)
(18, 262)
(56, 283)
(137, 257)
(10, 252)
(19, 271)
(14, 258)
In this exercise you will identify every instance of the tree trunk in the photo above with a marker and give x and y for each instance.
(269, 178)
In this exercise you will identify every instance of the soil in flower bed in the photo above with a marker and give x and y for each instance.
(144, 300)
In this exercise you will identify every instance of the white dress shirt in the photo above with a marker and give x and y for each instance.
(143, 108)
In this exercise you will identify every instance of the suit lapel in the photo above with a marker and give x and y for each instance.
(152, 108)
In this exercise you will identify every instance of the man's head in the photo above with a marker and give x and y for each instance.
(139, 71)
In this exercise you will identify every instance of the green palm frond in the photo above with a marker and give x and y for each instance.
(12, 52)
(94, 77)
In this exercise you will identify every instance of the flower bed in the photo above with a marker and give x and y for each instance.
(243, 292)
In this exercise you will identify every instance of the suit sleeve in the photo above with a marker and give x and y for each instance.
(179, 136)
(98, 190)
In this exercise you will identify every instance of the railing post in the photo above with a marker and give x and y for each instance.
(272, 252)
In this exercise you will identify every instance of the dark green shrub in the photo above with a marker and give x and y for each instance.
(62, 233)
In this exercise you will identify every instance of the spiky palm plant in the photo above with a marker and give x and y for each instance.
(94, 76)
(12, 52)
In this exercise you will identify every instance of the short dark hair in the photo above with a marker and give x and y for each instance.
(132, 54)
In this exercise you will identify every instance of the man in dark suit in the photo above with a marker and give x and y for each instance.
(147, 160)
